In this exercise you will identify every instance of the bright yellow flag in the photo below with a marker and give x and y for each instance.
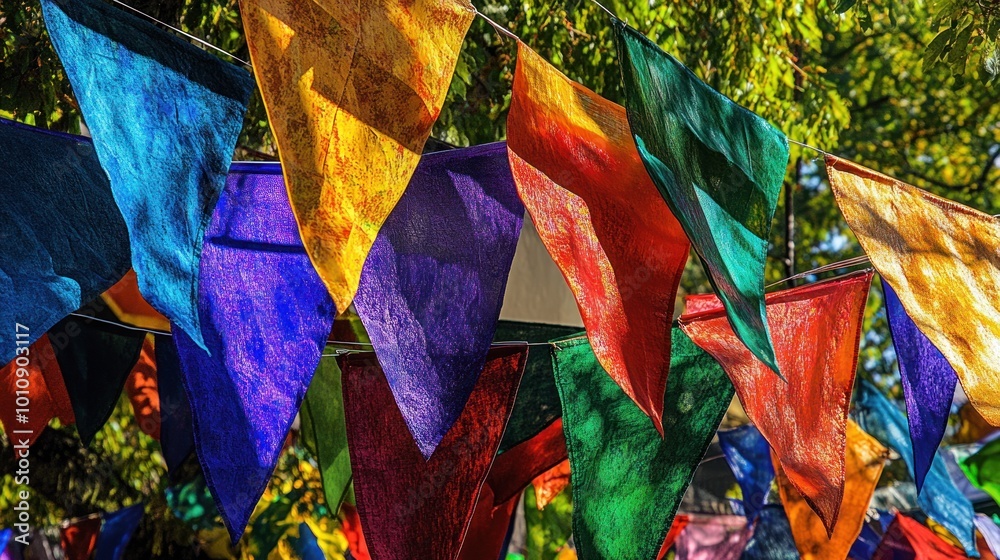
(865, 459)
(943, 261)
(352, 90)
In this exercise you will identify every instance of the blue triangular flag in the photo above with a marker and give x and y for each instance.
(117, 531)
(749, 455)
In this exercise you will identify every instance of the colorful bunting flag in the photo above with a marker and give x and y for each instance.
(719, 167)
(350, 523)
(433, 284)
(245, 391)
(36, 372)
(865, 545)
(581, 179)
(864, 461)
(165, 116)
(5, 535)
(176, 420)
(79, 539)
(772, 536)
(117, 532)
(628, 479)
(928, 384)
(817, 330)
(64, 241)
(324, 431)
(143, 395)
(940, 259)
(550, 484)
(306, 545)
(983, 469)
(352, 90)
(515, 469)
(908, 539)
(488, 529)
(547, 530)
(127, 304)
(990, 533)
(680, 522)
(938, 498)
(717, 537)
(413, 507)
(749, 456)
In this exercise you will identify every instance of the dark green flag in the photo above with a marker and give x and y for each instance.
(324, 432)
(627, 481)
(719, 167)
(983, 469)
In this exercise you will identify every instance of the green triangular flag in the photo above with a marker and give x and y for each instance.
(627, 481)
(548, 530)
(719, 167)
(324, 432)
(983, 469)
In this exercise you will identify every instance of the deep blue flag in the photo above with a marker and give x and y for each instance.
(63, 241)
(939, 498)
(117, 531)
(176, 424)
(749, 456)
(772, 536)
(165, 116)
(306, 546)
(866, 543)
(5, 538)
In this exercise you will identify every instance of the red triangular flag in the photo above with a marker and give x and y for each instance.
(34, 380)
(79, 539)
(515, 468)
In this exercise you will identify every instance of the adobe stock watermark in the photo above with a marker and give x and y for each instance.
(21, 436)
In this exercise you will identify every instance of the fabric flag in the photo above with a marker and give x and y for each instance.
(352, 90)
(307, 546)
(128, 305)
(719, 167)
(817, 335)
(46, 399)
(433, 284)
(624, 501)
(990, 532)
(772, 536)
(165, 116)
(865, 545)
(550, 484)
(143, 395)
(176, 420)
(680, 522)
(95, 359)
(982, 469)
(246, 390)
(117, 532)
(79, 539)
(537, 404)
(939, 498)
(5, 535)
(717, 537)
(64, 241)
(940, 259)
(749, 456)
(488, 528)
(351, 525)
(547, 530)
(928, 384)
(324, 432)
(581, 179)
(864, 462)
(413, 507)
(908, 539)
(513, 470)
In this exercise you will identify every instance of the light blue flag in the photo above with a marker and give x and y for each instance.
(749, 456)
(117, 531)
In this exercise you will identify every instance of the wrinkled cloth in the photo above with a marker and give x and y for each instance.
(95, 359)
(413, 507)
(678, 525)
(165, 116)
(79, 539)
(550, 483)
(117, 532)
(433, 284)
(245, 393)
(64, 241)
(982, 468)
(127, 303)
(864, 462)
(547, 530)
(628, 480)
(324, 431)
(772, 536)
(719, 167)
(908, 539)
(176, 419)
(537, 404)
(989, 531)
(719, 537)
(940, 258)
(602, 220)
(513, 470)
(749, 456)
(488, 529)
(928, 384)
(352, 89)
(142, 392)
(47, 396)
(939, 498)
(817, 331)
(865, 545)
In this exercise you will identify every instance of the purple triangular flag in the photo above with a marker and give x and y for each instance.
(928, 384)
(266, 316)
(433, 284)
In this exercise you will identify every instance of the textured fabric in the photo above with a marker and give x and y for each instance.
(47, 396)
(865, 459)
(719, 537)
(433, 284)
(324, 431)
(411, 507)
(550, 483)
(352, 89)
(64, 241)
(928, 384)
(680, 522)
(513, 470)
(488, 528)
(117, 531)
(79, 539)
(165, 116)
(245, 392)
(817, 330)
(990, 532)
(908, 539)
(940, 258)
(307, 546)
(982, 469)
(939, 498)
(143, 395)
(127, 303)
(865, 545)
(546, 530)
(176, 421)
(5, 535)
(749, 456)
(772, 537)
(581, 179)
(95, 359)
(719, 166)
(627, 479)
(537, 404)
